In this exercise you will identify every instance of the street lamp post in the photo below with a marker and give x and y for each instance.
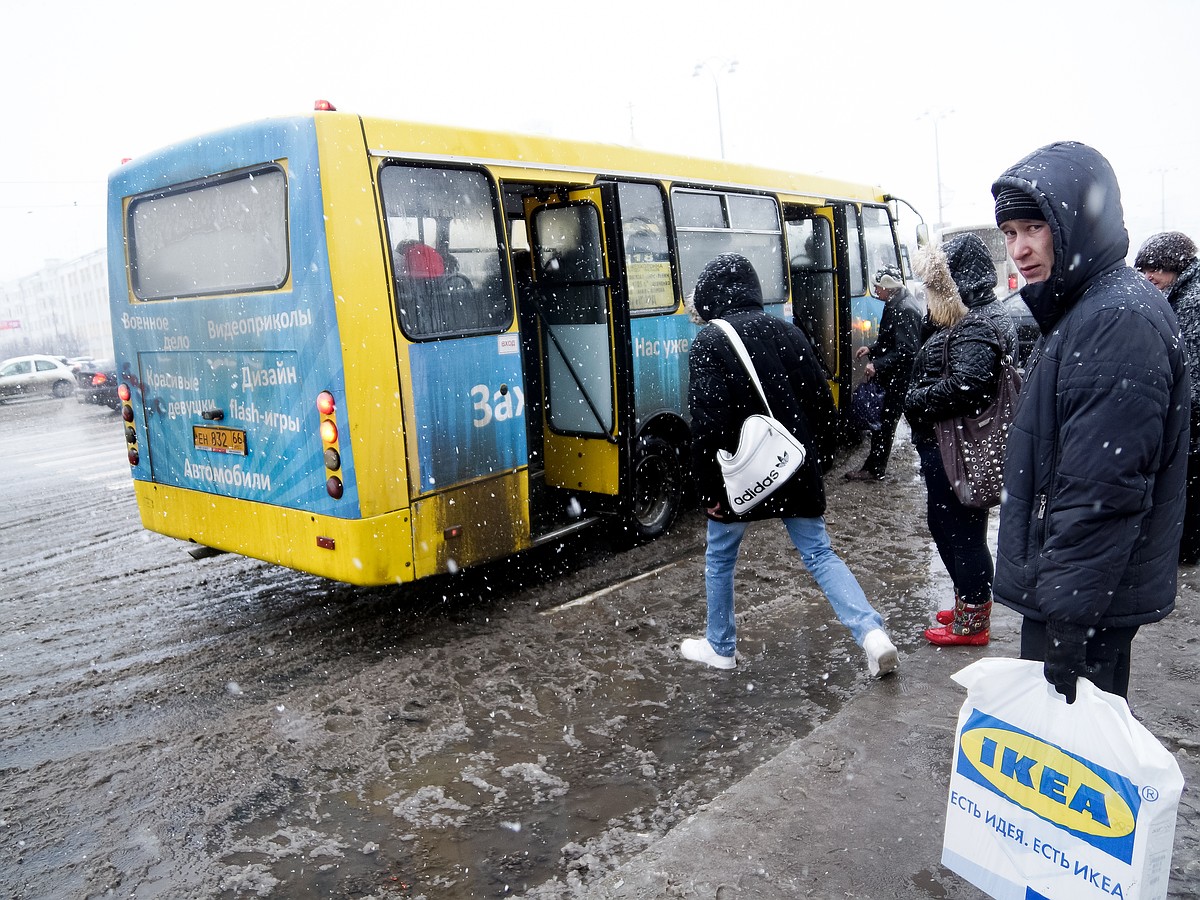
(728, 68)
(1162, 194)
(1162, 189)
(937, 162)
(936, 117)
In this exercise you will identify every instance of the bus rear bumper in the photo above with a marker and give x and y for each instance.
(371, 551)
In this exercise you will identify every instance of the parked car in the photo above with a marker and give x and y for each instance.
(28, 376)
(1028, 331)
(96, 382)
(79, 362)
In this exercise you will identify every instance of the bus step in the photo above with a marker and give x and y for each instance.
(540, 538)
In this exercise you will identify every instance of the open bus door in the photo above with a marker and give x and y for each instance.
(578, 319)
(821, 307)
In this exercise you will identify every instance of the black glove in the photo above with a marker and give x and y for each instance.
(1066, 656)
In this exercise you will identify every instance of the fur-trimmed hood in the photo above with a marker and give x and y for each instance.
(941, 294)
(958, 275)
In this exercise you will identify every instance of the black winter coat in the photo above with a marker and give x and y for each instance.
(1184, 297)
(1096, 459)
(899, 338)
(721, 396)
(978, 343)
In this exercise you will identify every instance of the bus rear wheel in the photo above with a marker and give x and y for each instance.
(657, 488)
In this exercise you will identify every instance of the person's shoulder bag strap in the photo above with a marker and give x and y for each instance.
(736, 340)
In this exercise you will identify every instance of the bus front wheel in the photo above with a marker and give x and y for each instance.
(657, 488)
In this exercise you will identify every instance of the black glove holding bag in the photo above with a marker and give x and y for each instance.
(1066, 656)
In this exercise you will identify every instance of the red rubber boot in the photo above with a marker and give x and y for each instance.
(946, 616)
(971, 627)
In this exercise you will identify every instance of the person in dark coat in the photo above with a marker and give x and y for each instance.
(1169, 261)
(1097, 454)
(957, 373)
(720, 397)
(891, 356)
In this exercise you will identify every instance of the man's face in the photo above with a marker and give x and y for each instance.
(1031, 246)
(1160, 278)
(883, 293)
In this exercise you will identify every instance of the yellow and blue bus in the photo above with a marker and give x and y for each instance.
(379, 351)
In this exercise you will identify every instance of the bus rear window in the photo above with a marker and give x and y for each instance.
(219, 236)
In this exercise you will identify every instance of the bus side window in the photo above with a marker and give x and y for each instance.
(444, 226)
(650, 279)
(810, 247)
(855, 263)
(570, 264)
(880, 239)
(710, 222)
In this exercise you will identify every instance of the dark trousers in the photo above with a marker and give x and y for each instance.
(1189, 546)
(1108, 652)
(881, 438)
(959, 532)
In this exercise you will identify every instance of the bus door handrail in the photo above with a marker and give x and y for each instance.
(532, 295)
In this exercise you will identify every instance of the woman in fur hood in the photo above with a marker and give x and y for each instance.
(970, 332)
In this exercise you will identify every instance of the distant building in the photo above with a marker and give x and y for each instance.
(61, 310)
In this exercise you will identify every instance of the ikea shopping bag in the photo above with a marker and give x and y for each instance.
(1056, 801)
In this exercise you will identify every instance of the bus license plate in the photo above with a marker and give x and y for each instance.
(219, 440)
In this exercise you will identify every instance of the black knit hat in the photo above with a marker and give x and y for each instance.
(1014, 203)
(1170, 251)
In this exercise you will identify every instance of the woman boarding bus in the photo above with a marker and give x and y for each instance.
(377, 351)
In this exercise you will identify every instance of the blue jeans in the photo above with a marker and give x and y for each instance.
(837, 582)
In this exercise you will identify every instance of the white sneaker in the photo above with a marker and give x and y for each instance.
(700, 650)
(882, 658)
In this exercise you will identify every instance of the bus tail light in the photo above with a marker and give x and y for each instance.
(327, 408)
(131, 436)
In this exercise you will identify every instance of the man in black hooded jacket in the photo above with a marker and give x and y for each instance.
(1097, 454)
(720, 397)
(891, 362)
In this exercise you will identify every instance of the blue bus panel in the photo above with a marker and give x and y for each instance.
(186, 356)
(470, 402)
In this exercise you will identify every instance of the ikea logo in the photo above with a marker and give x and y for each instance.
(1093, 803)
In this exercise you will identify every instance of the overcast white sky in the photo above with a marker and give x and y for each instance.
(850, 89)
